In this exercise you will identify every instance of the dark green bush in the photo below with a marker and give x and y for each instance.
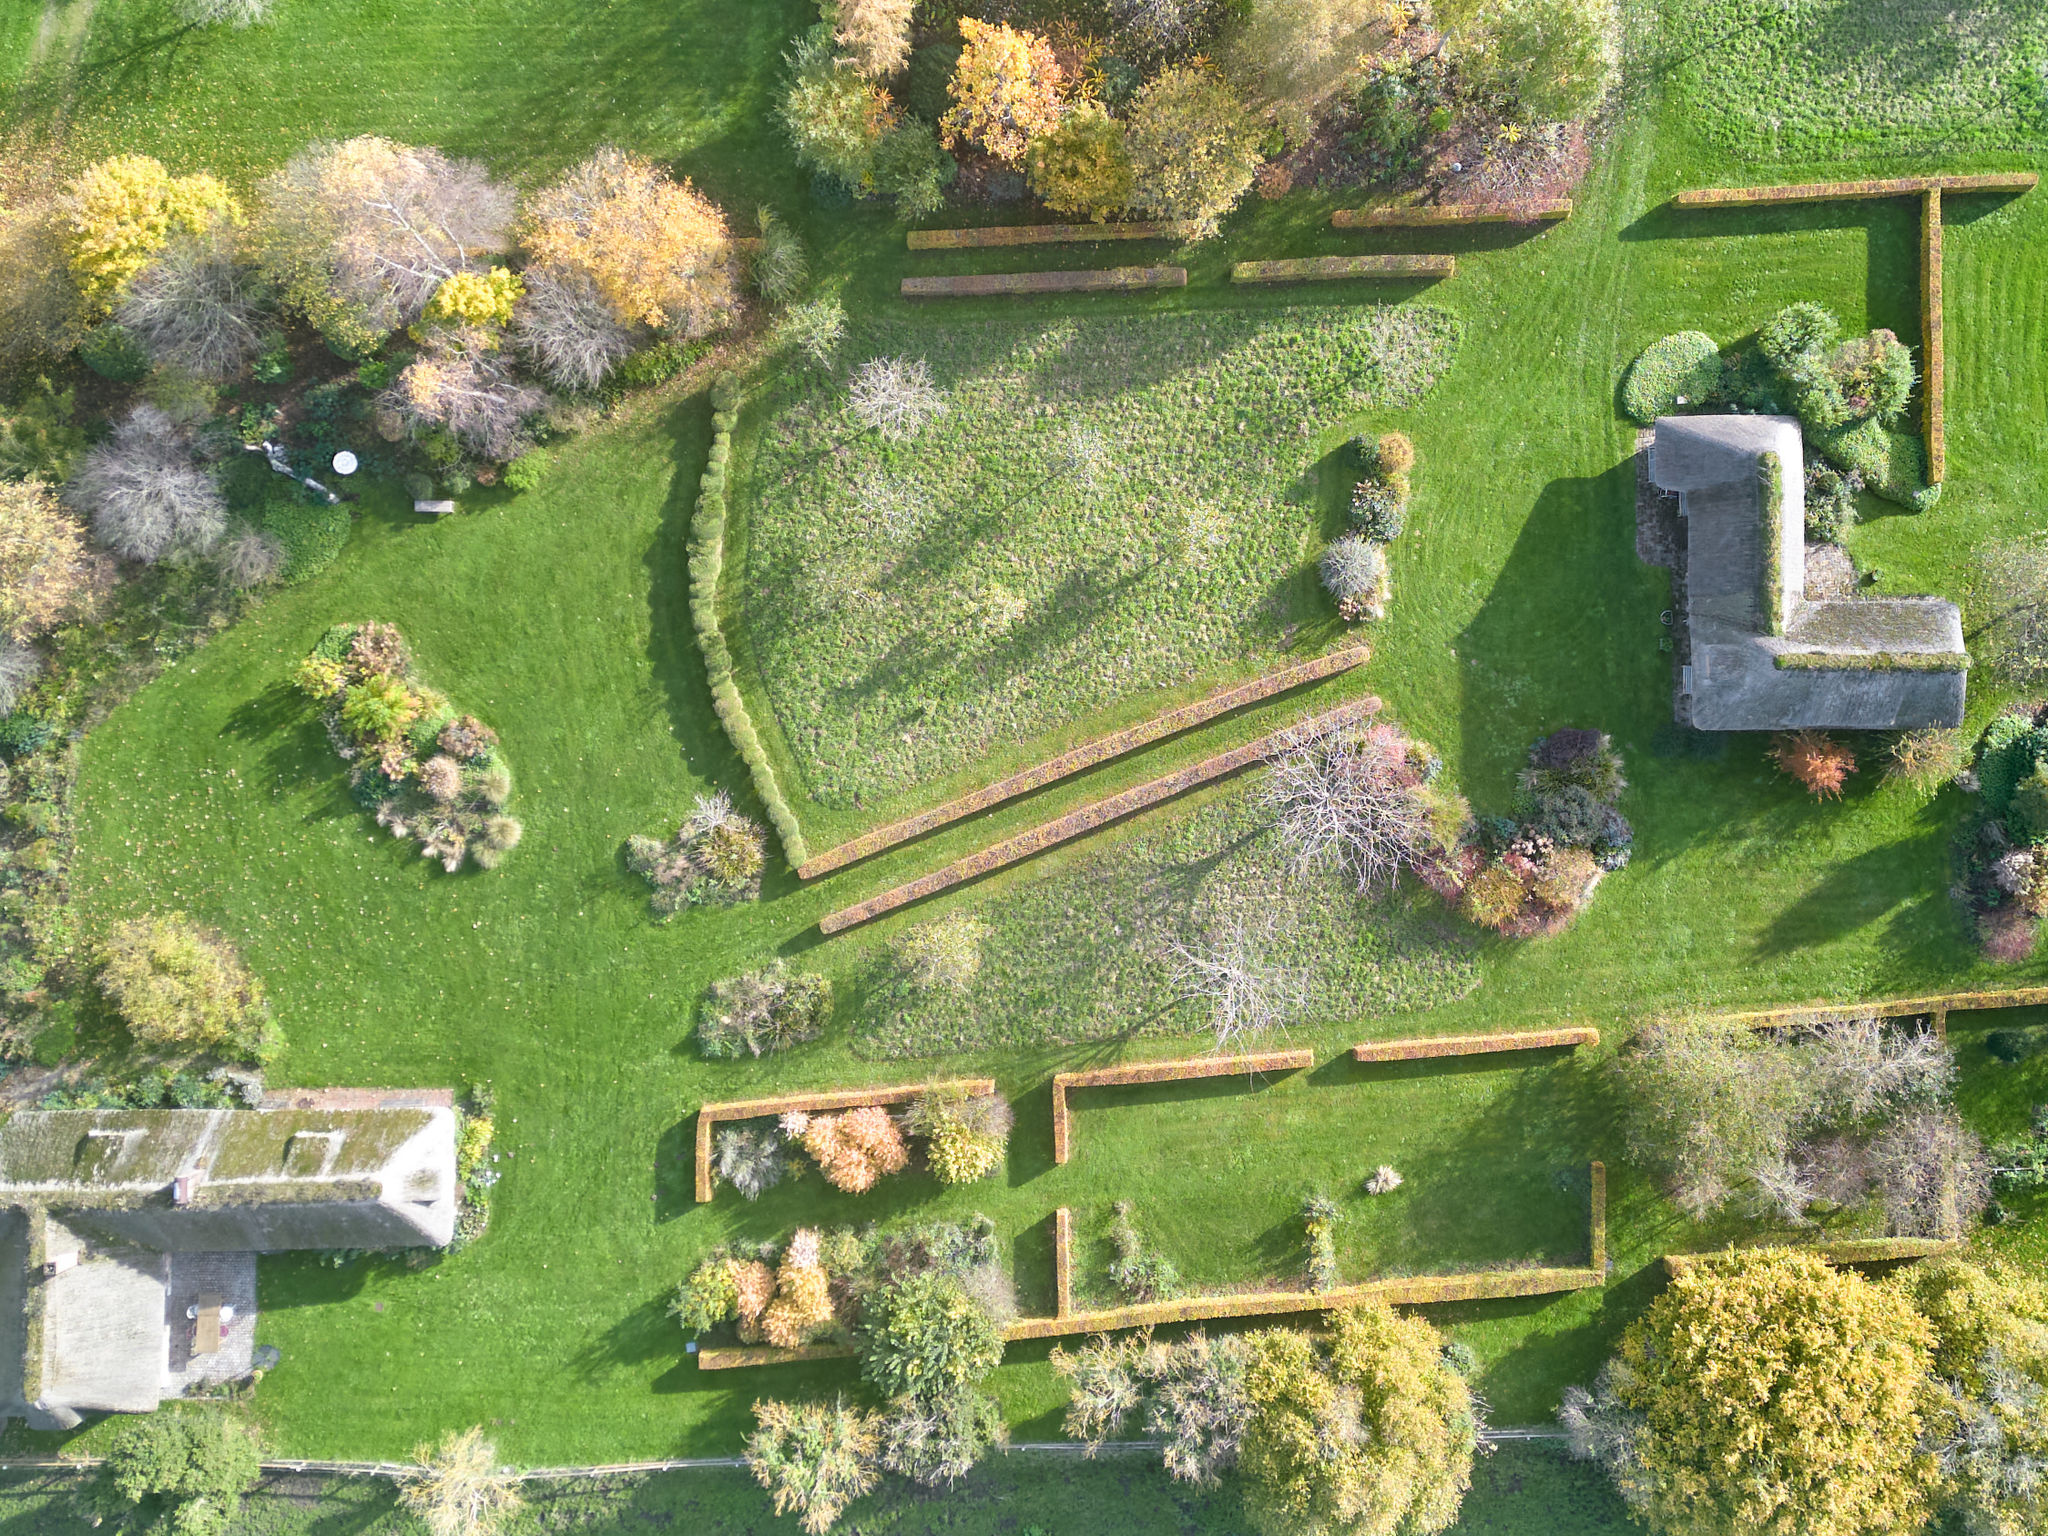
(2016, 1045)
(273, 362)
(312, 533)
(1797, 331)
(923, 1333)
(1830, 502)
(112, 353)
(175, 1470)
(1672, 373)
(1891, 464)
(923, 92)
(24, 732)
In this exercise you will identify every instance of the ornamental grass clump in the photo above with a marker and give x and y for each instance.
(1354, 572)
(430, 774)
(1320, 1216)
(716, 858)
(763, 1011)
(750, 1160)
(966, 1135)
(1139, 1273)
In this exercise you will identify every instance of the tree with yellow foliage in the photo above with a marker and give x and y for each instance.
(659, 253)
(476, 298)
(119, 213)
(1193, 149)
(876, 35)
(45, 568)
(1081, 165)
(1005, 89)
(1767, 1394)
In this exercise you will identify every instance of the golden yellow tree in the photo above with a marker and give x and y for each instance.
(876, 34)
(122, 211)
(1081, 165)
(457, 1488)
(1006, 90)
(659, 253)
(45, 567)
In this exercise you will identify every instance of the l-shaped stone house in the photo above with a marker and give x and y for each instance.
(122, 1232)
(1764, 657)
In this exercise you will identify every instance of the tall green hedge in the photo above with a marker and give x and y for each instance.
(707, 562)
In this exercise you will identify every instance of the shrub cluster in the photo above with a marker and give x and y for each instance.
(715, 858)
(965, 1138)
(966, 1135)
(180, 987)
(1534, 872)
(1849, 395)
(763, 1011)
(431, 774)
(1799, 1123)
(2003, 848)
(1140, 1273)
(476, 1171)
(1354, 567)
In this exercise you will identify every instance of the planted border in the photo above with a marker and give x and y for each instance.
(1424, 1047)
(706, 565)
(1871, 661)
(1400, 1291)
(1325, 269)
(1834, 191)
(1100, 750)
(1137, 1072)
(1086, 280)
(1515, 211)
(1043, 234)
(1091, 817)
(1938, 1006)
(1932, 382)
(709, 1116)
(1855, 1250)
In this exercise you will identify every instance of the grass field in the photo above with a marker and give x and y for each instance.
(560, 617)
(1107, 506)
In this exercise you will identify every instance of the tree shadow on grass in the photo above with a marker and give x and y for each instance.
(1884, 884)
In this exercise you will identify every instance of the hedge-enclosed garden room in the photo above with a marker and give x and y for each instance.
(1024, 767)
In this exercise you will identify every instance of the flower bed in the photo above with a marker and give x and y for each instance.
(430, 774)
(1080, 823)
(1096, 280)
(1159, 1072)
(710, 1116)
(1523, 211)
(1428, 1046)
(1323, 269)
(1043, 234)
(1101, 750)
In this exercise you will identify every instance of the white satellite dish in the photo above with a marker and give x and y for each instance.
(344, 463)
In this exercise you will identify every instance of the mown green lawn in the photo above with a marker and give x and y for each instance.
(559, 616)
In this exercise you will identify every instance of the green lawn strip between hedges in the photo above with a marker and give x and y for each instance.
(560, 615)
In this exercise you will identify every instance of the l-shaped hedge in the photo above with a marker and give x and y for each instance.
(707, 564)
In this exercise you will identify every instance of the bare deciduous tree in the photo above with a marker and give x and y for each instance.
(358, 235)
(1249, 993)
(457, 1488)
(251, 558)
(465, 385)
(567, 331)
(895, 396)
(197, 306)
(2012, 588)
(145, 493)
(1349, 805)
(1861, 1069)
(1931, 1174)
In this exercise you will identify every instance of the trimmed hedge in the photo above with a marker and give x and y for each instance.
(1323, 269)
(1770, 474)
(1080, 823)
(1183, 1070)
(706, 564)
(710, 1116)
(1424, 1047)
(1597, 1246)
(740, 1359)
(1855, 1250)
(1063, 1261)
(1043, 234)
(1680, 369)
(1830, 191)
(1101, 750)
(1097, 280)
(1931, 350)
(1872, 661)
(1513, 211)
(1940, 1005)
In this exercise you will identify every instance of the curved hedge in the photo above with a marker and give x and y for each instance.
(707, 562)
(1688, 364)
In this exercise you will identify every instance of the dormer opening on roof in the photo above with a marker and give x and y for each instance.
(101, 1150)
(311, 1154)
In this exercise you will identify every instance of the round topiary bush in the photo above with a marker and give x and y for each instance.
(1673, 371)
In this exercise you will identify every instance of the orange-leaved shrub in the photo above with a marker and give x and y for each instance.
(1815, 759)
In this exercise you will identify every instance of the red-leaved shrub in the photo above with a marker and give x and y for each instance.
(1815, 759)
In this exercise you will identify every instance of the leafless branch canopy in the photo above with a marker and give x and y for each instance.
(1350, 805)
(1250, 994)
(895, 396)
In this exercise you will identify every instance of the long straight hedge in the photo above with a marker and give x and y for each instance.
(1134, 1073)
(1100, 750)
(1086, 280)
(1080, 823)
(1932, 382)
(1400, 1291)
(1837, 191)
(1424, 1047)
(1938, 1006)
(1326, 269)
(1533, 210)
(1855, 1250)
(1043, 234)
(706, 565)
(709, 1116)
